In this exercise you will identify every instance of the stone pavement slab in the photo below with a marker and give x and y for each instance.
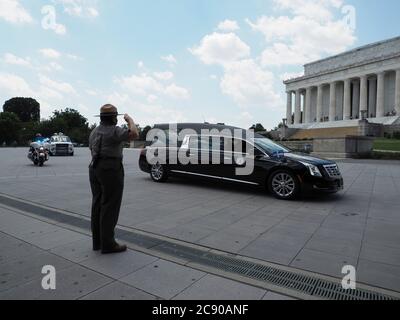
(322, 262)
(118, 266)
(71, 283)
(76, 251)
(165, 279)
(379, 274)
(212, 287)
(119, 291)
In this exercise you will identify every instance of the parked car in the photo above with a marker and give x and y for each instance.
(61, 144)
(284, 173)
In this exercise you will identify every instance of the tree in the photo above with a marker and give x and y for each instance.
(257, 127)
(69, 122)
(280, 125)
(27, 109)
(10, 126)
(71, 117)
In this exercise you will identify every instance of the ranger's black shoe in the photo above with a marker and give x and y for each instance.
(117, 248)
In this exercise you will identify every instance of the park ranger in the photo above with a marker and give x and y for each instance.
(106, 174)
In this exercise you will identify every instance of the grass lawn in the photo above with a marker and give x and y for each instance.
(387, 144)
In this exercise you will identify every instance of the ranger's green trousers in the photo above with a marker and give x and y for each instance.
(107, 184)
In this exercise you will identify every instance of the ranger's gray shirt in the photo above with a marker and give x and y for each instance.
(112, 140)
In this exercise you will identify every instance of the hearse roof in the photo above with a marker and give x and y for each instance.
(201, 126)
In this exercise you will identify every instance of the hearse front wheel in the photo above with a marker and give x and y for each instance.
(284, 185)
(159, 173)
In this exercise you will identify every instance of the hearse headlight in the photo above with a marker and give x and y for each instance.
(314, 171)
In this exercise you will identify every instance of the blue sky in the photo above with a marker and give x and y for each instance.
(177, 60)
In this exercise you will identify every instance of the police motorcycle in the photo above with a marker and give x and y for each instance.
(38, 151)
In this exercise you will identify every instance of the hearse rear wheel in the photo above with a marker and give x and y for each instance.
(159, 172)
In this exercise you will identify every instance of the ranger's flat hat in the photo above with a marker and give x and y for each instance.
(108, 110)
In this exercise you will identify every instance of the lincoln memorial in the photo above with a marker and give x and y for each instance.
(363, 83)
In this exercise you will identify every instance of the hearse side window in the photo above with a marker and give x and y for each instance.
(236, 145)
(216, 143)
(205, 142)
(194, 142)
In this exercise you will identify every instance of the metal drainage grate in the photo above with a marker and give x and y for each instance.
(309, 285)
(306, 284)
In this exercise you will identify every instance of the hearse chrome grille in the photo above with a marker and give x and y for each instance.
(332, 170)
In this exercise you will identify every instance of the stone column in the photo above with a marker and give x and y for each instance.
(372, 98)
(397, 93)
(363, 94)
(307, 106)
(347, 100)
(332, 102)
(289, 112)
(380, 103)
(356, 99)
(319, 102)
(297, 110)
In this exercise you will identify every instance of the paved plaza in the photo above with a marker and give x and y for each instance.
(359, 226)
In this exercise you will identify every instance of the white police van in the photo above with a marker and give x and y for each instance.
(61, 145)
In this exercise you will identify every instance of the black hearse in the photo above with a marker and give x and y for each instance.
(284, 173)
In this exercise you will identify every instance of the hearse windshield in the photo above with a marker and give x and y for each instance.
(269, 146)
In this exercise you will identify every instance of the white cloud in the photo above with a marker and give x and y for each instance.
(249, 85)
(49, 93)
(176, 92)
(59, 29)
(50, 53)
(291, 75)
(146, 85)
(93, 12)
(80, 8)
(55, 66)
(9, 58)
(147, 112)
(228, 25)
(92, 92)
(152, 98)
(305, 36)
(167, 75)
(243, 80)
(14, 85)
(314, 9)
(140, 84)
(12, 11)
(170, 59)
(62, 87)
(73, 57)
(221, 48)
(246, 116)
(213, 77)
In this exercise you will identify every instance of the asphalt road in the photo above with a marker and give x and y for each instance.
(359, 226)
